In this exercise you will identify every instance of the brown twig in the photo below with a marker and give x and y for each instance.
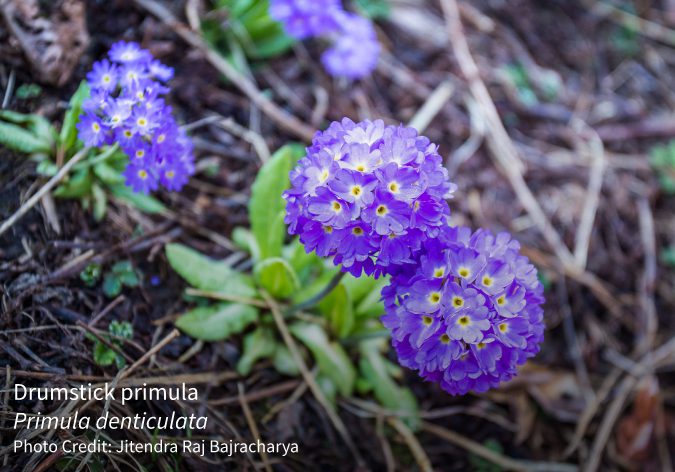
(51, 183)
(282, 118)
(492, 456)
(309, 378)
(252, 425)
(502, 148)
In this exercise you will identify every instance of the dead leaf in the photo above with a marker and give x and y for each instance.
(53, 41)
(635, 432)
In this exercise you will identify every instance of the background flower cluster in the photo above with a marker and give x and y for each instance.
(355, 49)
(126, 107)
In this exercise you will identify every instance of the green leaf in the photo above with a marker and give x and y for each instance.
(129, 279)
(371, 305)
(314, 287)
(47, 168)
(245, 241)
(19, 139)
(108, 174)
(257, 345)
(304, 263)
(91, 274)
(332, 359)
(100, 201)
(145, 203)
(360, 287)
(277, 277)
(392, 396)
(668, 256)
(284, 363)
(111, 285)
(68, 135)
(374, 9)
(77, 186)
(217, 322)
(337, 308)
(206, 274)
(103, 355)
(329, 387)
(38, 125)
(28, 91)
(266, 205)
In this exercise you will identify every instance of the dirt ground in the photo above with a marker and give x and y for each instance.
(557, 152)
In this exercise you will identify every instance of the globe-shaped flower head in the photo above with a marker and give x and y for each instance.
(368, 195)
(126, 107)
(468, 312)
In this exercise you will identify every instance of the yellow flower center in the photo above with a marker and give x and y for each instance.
(440, 272)
(95, 127)
(128, 133)
(337, 208)
(464, 321)
(435, 297)
(143, 174)
(324, 176)
(487, 281)
(504, 327)
(106, 79)
(464, 272)
(501, 301)
(357, 231)
(393, 187)
(480, 345)
(142, 122)
(445, 339)
(457, 301)
(381, 210)
(161, 138)
(328, 229)
(361, 168)
(356, 190)
(427, 320)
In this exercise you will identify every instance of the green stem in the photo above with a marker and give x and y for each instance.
(310, 302)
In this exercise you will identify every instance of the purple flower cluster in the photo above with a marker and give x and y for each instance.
(354, 49)
(368, 195)
(468, 312)
(126, 107)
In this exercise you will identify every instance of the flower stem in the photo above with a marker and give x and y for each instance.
(310, 302)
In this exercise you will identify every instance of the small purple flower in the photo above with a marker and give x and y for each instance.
(469, 325)
(354, 187)
(92, 130)
(344, 183)
(466, 312)
(403, 183)
(103, 76)
(125, 53)
(329, 209)
(141, 178)
(159, 71)
(387, 215)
